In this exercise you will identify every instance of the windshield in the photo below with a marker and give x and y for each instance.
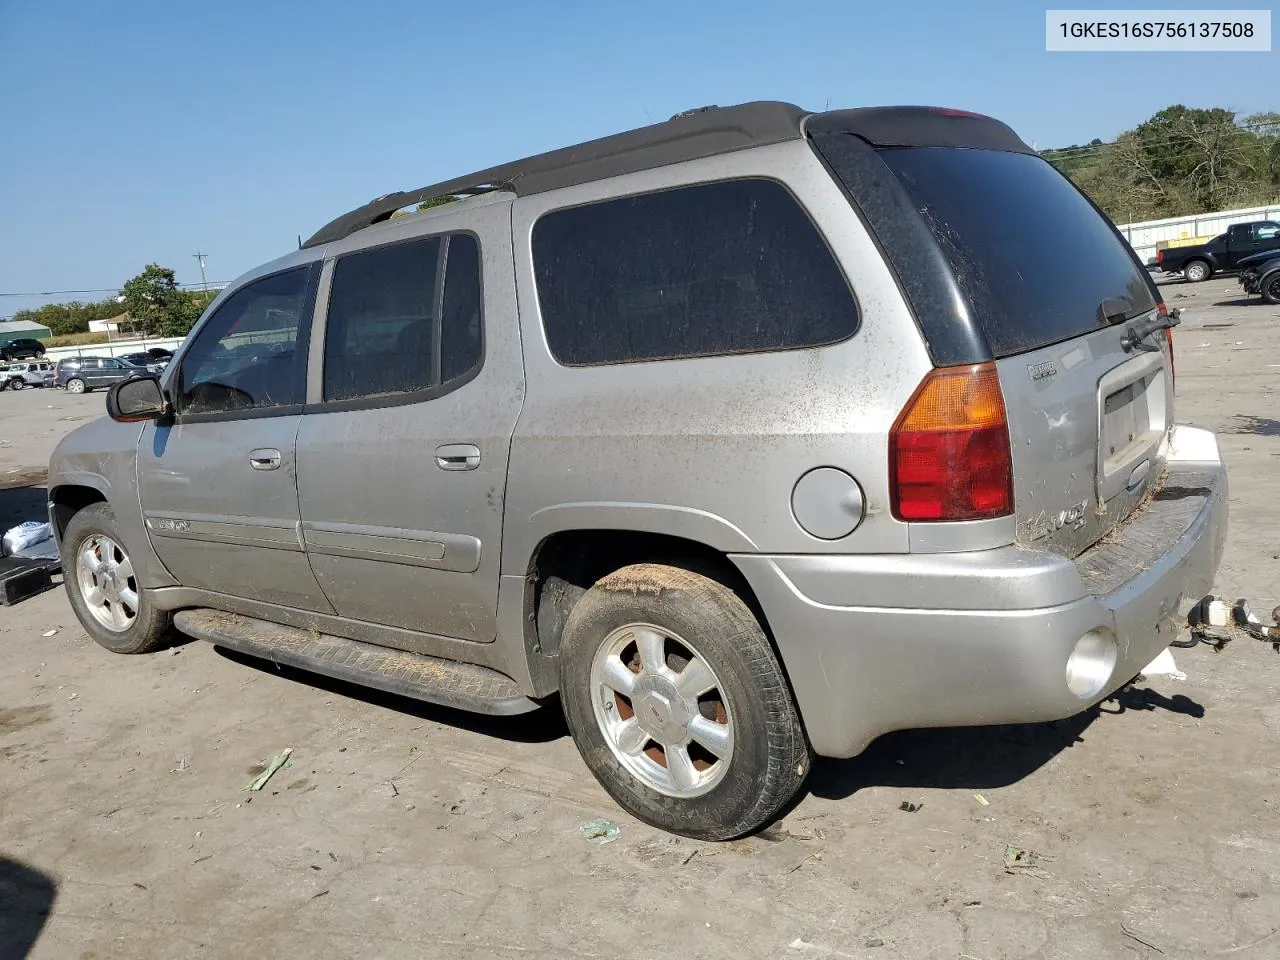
(1032, 256)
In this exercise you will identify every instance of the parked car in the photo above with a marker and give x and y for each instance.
(710, 427)
(82, 374)
(21, 348)
(18, 376)
(145, 359)
(1260, 275)
(1223, 253)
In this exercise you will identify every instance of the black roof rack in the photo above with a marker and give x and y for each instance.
(705, 132)
(691, 135)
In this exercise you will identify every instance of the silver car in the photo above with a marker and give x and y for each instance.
(753, 435)
(18, 376)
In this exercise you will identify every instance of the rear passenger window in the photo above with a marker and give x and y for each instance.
(404, 318)
(720, 268)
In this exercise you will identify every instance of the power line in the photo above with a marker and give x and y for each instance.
(1093, 149)
(59, 293)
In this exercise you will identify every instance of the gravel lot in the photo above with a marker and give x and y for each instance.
(403, 830)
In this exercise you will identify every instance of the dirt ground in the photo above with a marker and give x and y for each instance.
(403, 830)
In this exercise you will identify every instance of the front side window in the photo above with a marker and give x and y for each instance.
(403, 319)
(251, 354)
(721, 268)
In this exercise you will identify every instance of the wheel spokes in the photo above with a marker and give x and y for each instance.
(651, 646)
(716, 738)
(630, 738)
(89, 557)
(695, 679)
(618, 677)
(680, 766)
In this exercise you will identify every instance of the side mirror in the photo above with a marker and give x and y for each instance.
(141, 398)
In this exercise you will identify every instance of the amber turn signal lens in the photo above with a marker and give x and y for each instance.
(949, 455)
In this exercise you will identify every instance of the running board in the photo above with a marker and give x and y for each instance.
(466, 686)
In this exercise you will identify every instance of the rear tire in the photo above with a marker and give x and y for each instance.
(76, 385)
(1197, 271)
(722, 747)
(110, 603)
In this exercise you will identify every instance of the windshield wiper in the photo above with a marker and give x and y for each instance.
(1139, 331)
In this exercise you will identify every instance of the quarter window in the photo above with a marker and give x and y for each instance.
(404, 318)
(249, 355)
(721, 268)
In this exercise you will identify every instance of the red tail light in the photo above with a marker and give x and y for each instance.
(1160, 256)
(949, 456)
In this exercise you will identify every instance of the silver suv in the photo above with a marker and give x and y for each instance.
(754, 434)
(18, 376)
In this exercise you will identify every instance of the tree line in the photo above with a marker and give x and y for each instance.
(154, 303)
(1182, 160)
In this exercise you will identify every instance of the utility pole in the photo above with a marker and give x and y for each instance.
(203, 282)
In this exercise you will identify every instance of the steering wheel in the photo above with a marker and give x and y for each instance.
(277, 347)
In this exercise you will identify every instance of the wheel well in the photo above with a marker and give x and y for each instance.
(566, 564)
(68, 501)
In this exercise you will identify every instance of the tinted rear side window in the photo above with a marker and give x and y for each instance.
(1031, 254)
(720, 268)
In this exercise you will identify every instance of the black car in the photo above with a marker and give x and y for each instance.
(1224, 252)
(82, 374)
(21, 348)
(1260, 274)
(146, 358)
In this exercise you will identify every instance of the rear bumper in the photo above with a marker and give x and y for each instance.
(879, 643)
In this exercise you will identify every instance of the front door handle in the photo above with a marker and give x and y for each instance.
(458, 456)
(264, 459)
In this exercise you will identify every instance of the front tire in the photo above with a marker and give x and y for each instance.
(678, 705)
(1197, 271)
(1270, 288)
(110, 603)
(17, 384)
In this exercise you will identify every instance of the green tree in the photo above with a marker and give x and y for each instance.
(156, 305)
(1180, 160)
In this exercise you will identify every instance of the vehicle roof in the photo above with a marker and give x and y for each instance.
(695, 134)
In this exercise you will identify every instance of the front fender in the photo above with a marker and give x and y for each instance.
(102, 457)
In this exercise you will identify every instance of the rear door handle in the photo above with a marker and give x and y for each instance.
(458, 456)
(264, 459)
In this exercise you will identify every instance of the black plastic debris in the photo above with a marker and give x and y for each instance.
(21, 578)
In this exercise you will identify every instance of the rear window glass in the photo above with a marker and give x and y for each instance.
(719, 268)
(1032, 255)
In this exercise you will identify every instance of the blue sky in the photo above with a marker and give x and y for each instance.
(145, 131)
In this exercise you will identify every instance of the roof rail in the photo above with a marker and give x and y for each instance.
(703, 132)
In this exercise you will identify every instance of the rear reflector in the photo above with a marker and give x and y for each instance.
(949, 456)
